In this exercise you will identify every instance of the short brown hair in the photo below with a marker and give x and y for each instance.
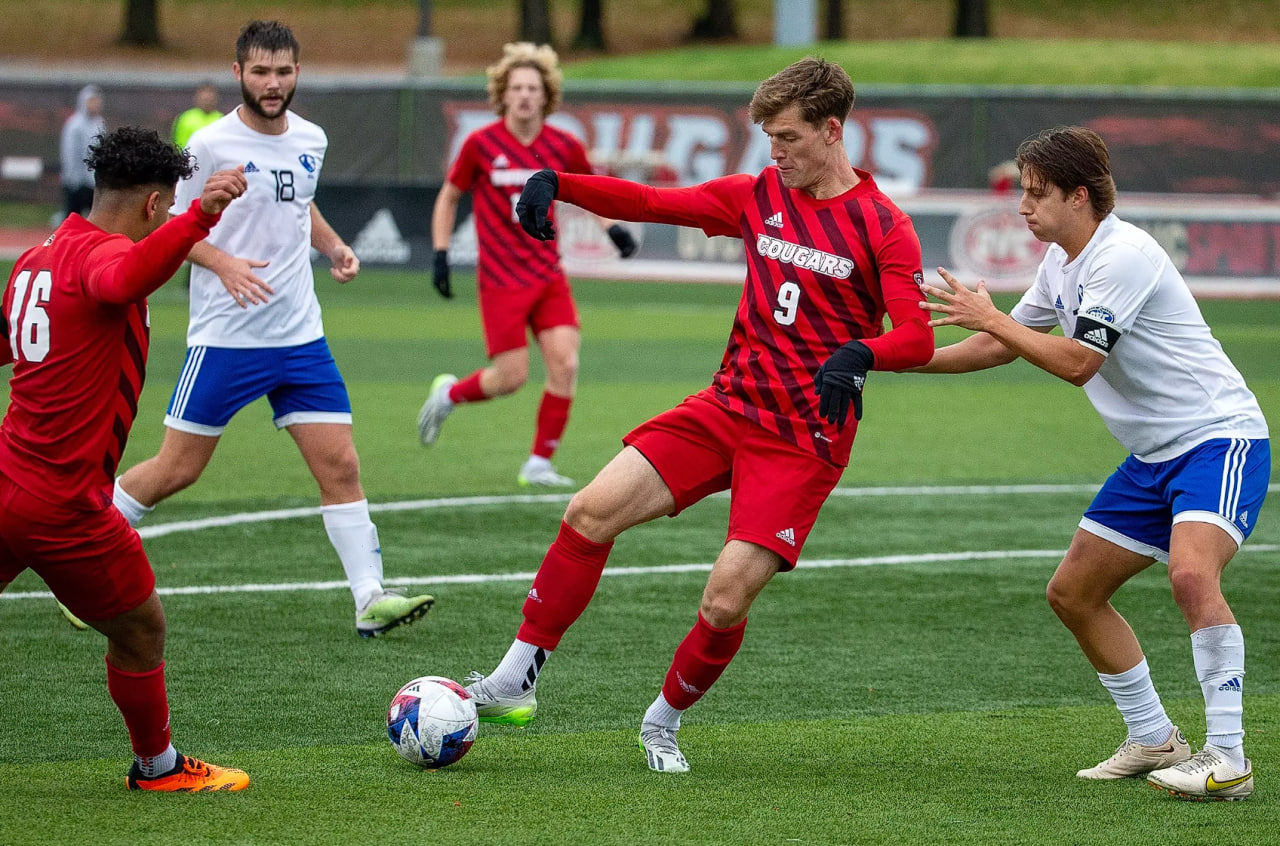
(525, 54)
(820, 88)
(1069, 157)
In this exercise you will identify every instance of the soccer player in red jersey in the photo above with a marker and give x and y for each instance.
(521, 284)
(76, 328)
(828, 256)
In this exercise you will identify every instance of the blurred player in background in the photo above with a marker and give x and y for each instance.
(828, 256)
(203, 111)
(255, 322)
(78, 132)
(521, 286)
(75, 326)
(1189, 493)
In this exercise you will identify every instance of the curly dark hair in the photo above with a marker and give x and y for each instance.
(131, 156)
(267, 36)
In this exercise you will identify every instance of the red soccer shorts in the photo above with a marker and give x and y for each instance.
(776, 489)
(91, 559)
(506, 312)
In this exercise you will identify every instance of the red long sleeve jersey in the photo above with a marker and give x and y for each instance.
(820, 273)
(493, 164)
(78, 328)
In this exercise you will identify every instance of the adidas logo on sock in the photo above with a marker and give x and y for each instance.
(688, 688)
(787, 536)
(774, 220)
(251, 168)
(1231, 684)
(533, 595)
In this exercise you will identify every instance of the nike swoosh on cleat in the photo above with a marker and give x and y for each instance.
(1213, 785)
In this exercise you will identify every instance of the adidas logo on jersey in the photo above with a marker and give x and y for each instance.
(1097, 337)
(787, 536)
(1231, 685)
(501, 161)
(251, 168)
(1057, 303)
(774, 220)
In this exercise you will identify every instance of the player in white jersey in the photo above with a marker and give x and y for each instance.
(255, 325)
(1189, 493)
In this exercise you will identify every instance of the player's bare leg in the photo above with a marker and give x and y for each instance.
(1198, 553)
(330, 453)
(505, 374)
(559, 346)
(179, 463)
(1080, 594)
(627, 492)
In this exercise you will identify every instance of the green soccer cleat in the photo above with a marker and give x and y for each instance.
(437, 407)
(388, 609)
(493, 706)
(76, 622)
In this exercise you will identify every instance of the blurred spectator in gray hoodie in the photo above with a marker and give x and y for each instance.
(78, 133)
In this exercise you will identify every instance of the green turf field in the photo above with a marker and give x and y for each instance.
(910, 685)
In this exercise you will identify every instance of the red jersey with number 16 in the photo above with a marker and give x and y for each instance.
(76, 313)
(493, 164)
(820, 273)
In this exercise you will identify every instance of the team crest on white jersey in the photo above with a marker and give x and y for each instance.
(806, 258)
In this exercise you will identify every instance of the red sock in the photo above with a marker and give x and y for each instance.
(145, 707)
(468, 389)
(553, 416)
(700, 659)
(565, 583)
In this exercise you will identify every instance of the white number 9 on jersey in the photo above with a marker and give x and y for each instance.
(788, 303)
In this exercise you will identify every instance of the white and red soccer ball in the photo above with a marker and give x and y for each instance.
(432, 722)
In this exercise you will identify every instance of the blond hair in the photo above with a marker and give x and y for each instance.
(525, 54)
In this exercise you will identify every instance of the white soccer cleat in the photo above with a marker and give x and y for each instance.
(538, 472)
(495, 706)
(659, 743)
(1134, 759)
(437, 407)
(1205, 776)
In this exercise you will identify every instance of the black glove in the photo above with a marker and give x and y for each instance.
(839, 382)
(623, 240)
(535, 204)
(440, 276)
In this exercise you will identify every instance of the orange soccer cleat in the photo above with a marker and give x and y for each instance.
(190, 776)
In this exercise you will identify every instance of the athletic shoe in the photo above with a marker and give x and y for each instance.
(1205, 776)
(76, 622)
(1133, 759)
(436, 408)
(538, 472)
(659, 743)
(189, 776)
(493, 706)
(388, 609)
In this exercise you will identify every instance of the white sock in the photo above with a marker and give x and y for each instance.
(1139, 704)
(355, 538)
(132, 510)
(159, 765)
(1218, 653)
(661, 713)
(519, 668)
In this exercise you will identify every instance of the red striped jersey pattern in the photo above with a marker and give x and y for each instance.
(493, 164)
(819, 274)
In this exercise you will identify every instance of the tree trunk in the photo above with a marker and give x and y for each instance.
(719, 21)
(141, 23)
(972, 20)
(535, 21)
(833, 26)
(591, 26)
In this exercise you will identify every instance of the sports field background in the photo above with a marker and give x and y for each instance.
(909, 685)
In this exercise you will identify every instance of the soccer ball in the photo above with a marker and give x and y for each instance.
(432, 722)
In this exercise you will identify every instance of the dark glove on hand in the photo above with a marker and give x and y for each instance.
(839, 382)
(440, 277)
(623, 240)
(535, 204)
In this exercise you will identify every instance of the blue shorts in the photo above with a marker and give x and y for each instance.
(1222, 481)
(302, 384)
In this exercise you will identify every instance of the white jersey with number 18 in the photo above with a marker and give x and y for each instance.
(271, 222)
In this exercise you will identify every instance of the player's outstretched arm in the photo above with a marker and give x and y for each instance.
(329, 243)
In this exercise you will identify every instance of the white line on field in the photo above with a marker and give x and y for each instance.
(481, 578)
